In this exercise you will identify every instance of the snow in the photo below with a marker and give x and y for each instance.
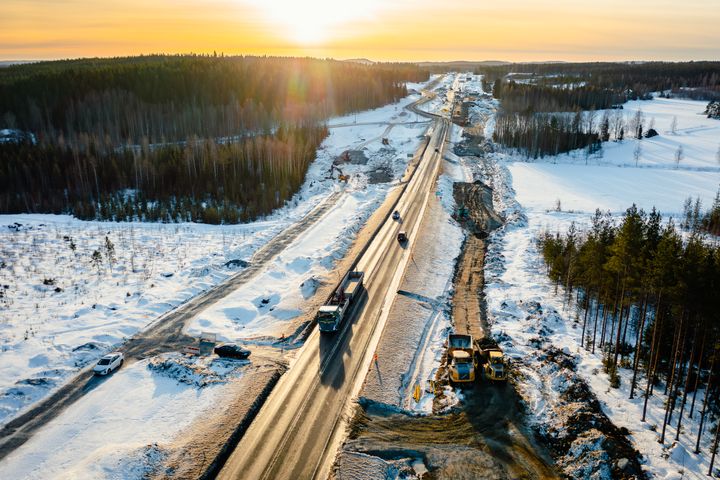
(242, 314)
(47, 336)
(518, 289)
(583, 189)
(111, 431)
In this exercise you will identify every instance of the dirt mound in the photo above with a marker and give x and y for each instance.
(581, 438)
(474, 208)
(196, 371)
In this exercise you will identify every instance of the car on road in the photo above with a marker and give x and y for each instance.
(231, 350)
(402, 236)
(396, 215)
(437, 150)
(109, 363)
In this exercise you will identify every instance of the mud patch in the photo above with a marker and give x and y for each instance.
(381, 174)
(352, 157)
(474, 208)
(484, 437)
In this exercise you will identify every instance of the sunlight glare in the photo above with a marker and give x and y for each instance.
(309, 22)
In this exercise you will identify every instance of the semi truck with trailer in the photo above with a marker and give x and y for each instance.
(332, 314)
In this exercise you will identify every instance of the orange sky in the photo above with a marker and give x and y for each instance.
(513, 30)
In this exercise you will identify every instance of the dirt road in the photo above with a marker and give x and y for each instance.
(476, 215)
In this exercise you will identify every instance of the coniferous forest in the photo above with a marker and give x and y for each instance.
(175, 138)
(648, 292)
(540, 103)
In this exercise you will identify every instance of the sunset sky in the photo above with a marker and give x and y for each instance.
(513, 30)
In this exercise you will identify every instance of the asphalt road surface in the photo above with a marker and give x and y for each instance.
(298, 430)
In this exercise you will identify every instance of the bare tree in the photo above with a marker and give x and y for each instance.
(717, 154)
(679, 155)
(673, 125)
(637, 153)
(636, 124)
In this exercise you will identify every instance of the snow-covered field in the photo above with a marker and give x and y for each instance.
(61, 309)
(119, 430)
(528, 194)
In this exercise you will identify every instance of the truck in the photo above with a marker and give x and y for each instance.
(462, 358)
(331, 315)
(494, 364)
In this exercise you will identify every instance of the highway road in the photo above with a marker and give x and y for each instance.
(299, 428)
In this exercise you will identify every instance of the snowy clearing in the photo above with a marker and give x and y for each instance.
(521, 301)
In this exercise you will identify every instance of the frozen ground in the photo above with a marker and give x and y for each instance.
(266, 306)
(61, 310)
(521, 302)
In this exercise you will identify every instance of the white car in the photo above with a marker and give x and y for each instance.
(108, 363)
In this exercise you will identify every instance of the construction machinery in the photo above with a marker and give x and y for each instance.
(331, 315)
(462, 358)
(494, 364)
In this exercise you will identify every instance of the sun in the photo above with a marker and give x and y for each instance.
(312, 22)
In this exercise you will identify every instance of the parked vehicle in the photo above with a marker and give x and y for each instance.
(231, 350)
(402, 236)
(396, 215)
(494, 364)
(109, 363)
(462, 358)
(331, 315)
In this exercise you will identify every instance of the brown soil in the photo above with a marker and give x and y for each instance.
(475, 214)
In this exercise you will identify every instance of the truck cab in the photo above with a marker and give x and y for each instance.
(494, 365)
(462, 358)
(462, 367)
(329, 316)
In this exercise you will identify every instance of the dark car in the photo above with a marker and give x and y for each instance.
(402, 237)
(231, 350)
(396, 215)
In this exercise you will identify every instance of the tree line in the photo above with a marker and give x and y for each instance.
(527, 98)
(199, 138)
(699, 80)
(649, 302)
(200, 181)
(170, 98)
(539, 135)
